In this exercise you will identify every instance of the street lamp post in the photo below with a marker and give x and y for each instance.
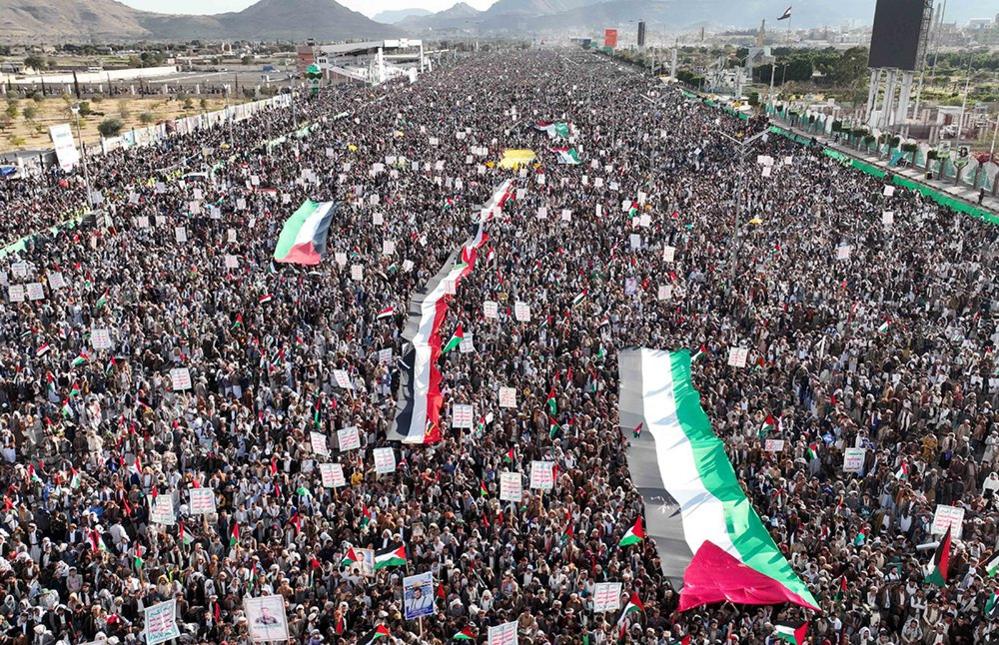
(83, 151)
(744, 148)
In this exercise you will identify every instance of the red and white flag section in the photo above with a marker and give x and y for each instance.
(303, 238)
(695, 509)
(418, 409)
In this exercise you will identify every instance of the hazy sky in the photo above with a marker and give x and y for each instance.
(957, 10)
(367, 7)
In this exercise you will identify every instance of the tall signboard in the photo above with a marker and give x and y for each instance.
(610, 38)
(65, 146)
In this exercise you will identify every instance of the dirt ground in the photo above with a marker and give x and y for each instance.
(19, 132)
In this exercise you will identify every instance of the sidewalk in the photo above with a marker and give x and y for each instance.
(962, 192)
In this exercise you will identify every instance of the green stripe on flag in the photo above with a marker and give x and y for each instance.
(752, 541)
(291, 228)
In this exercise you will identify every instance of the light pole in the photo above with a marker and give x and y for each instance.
(744, 146)
(83, 151)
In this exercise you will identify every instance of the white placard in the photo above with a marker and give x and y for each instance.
(467, 344)
(342, 379)
(180, 378)
(318, 441)
(951, 516)
(385, 356)
(522, 311)
(888, 218)
(100, 338)
(566, 215)
(543, 475)
(348, 438)
(462, 415)
(332, 475)
(388, 247)
(889, 191)
(418, 597)
(231, 261)
(19, 269)
(142, 221)
(665, 292)
(542, 212)
(231, 235)
(266, 618)
(384, 461)
(511, 487)
(357, 272)
(162, 510)
(606, 597)
(635, 241)
(843, 252)
(35, 291)
(377, 218)
(180, 233)
(15, 293)
(767, 171)
(853, 460)
(490, 309)
(57, 281)
(341, 258)
(160, 622)
(737, 356)
(507, 397)
(202, 501)
(773, 445)
(669, 252)
(505, 634)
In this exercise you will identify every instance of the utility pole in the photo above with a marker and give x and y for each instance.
(964, 101)
(83, 152)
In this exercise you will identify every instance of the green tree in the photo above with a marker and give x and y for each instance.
(30, 113)
(203, 103)
(34, 61)
(85, 110)
(247, 60)
(5, 122)
(146, 118)
(110, 127)
(851, 67)
(11, 110)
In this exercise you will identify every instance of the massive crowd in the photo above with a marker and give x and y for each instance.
(90, 437)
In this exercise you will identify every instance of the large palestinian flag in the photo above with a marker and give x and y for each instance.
(555, 129)
(696, 511)
(303, 238)
(567, 155)
(417, 417)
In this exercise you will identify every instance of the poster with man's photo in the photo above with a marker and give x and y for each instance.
(418, 595)
(266, 618)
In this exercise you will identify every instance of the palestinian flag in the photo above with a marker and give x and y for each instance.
(349, 558)
(992, 567)
(794, 635)
(769, 425)
(580, 297)
(638, 429)
(813, 451)
(992, 606)
(378, 633)
(365, 517)
(234, 535)
(387, 312)
(303, 238)
(456, 338)
(730, 555)
(238, 322)
(265, 298)
(634, 535)
(841, 592)
(860, 538)
(884, 327)
(391, 557)
(483, 491)
(102, 301)
(74, 391)
(701, 351)
(466, 634)
(74, 478)
(552, 402)
(569, 156)
(553, 427)
(508, 457)
(80, 360)
(903, 470)
(634, 606)
(554, 129)
(936, 571)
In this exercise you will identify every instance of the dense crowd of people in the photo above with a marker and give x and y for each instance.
(889, 346)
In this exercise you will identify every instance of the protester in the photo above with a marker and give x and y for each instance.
(891, 348)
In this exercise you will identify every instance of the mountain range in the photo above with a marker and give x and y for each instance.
(33, 21)
(76, 21)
